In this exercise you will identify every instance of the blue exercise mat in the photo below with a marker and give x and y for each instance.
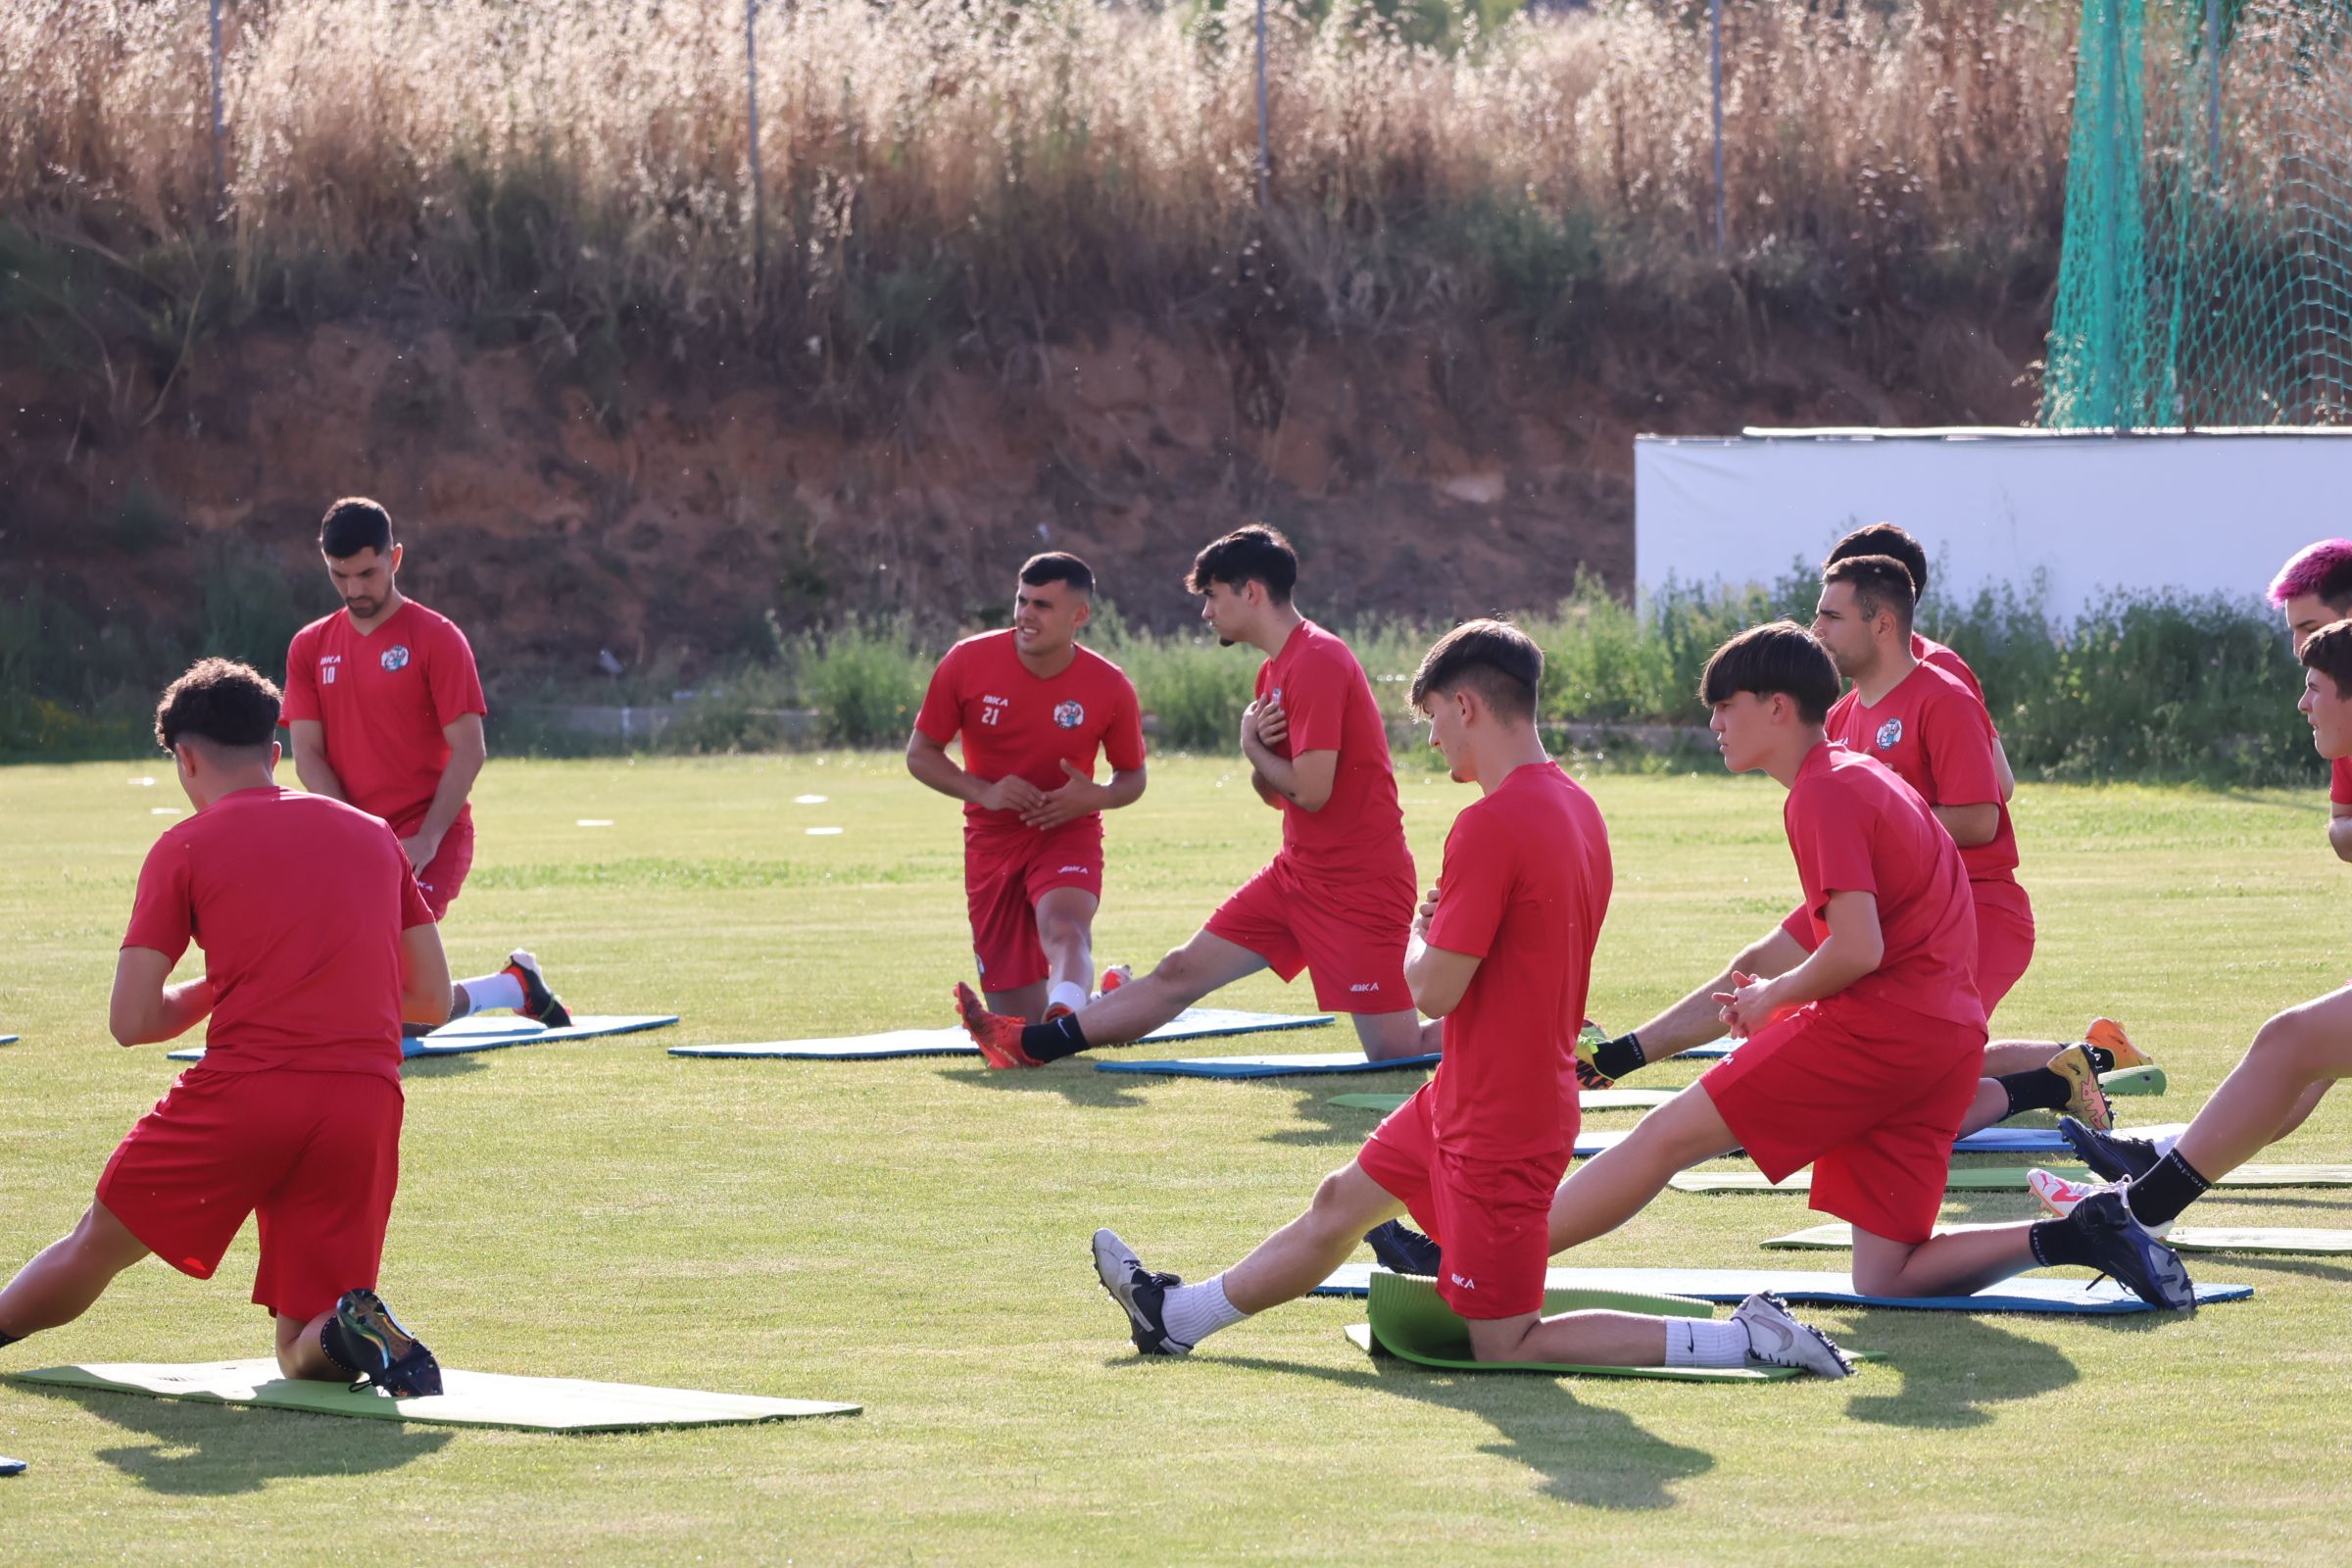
(1299, 1064)
(2075, 1296)
(10, 1040)
(1194, 1023)
(1990, 1141)
(8, 1466)
(496, 1034)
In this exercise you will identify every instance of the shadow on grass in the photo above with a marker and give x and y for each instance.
(1954, 1365)
(417, 1069)
(1586, 1454)
(211, 1451)
(2310, 1268)
(1074, 1078)
(1326, 1125)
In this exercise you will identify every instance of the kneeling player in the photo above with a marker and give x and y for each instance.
(1502, 952)
(2294, 1057)
(317, 943)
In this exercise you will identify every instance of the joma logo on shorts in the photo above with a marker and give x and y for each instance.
(1365, 985)
(1463, 1284)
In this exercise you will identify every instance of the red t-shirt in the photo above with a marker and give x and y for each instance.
(1938, 739)
(1015, 723)
(1927, 651)
(2340, 781)
(386, 699)
(1855, 828)
(1328, 699)
(1524, 889)
(298, 902)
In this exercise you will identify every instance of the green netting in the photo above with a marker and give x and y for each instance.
(2207, 274)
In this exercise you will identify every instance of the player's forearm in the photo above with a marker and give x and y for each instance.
(935, 769)
(165, 1014)
(2002, 769)
(319, 779)
(1969, 825)
(1695, 1020)
(1279, 773)
(1123, 789)
(1839, 962)
(2339, 837)
(449, 796)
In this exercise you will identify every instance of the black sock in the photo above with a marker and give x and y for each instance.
(7, 1340)
(2159, 1197)
(1614, 1058)
(2101, 1058)
(2038, 1089)
(1054, 1039)
(2056, 1243)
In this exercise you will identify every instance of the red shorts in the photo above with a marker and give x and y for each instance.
(1351, 936)
(1004, 877)
(315, 1156)
(2004, 939)
(1869, 1094)
(1492, 1217)
(445, 873)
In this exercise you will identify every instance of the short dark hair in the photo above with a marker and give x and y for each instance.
(2330, 652)
(1059, 566)
(1778, 656)
(1492, 658)
(1256, 554)
(1880, 582)
(221, 701)
(1884, 539)
(353, 524)
(2324, 568)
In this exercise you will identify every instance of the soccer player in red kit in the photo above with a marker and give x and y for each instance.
(386, 712)
(316, 944)
(1338, 900)
(1034, 709)
(2312, 591)
(1501, 952)
(1861, 1060)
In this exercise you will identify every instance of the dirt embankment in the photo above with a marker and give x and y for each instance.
(662, 513)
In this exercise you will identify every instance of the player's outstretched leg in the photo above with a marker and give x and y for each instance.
(359, 1341)
(1605, 1192)
(67, 1275)
(2100, 1235)
(519, 987)
(1117, 1017)
(2111, 1051)
(2070, 1083)
(1393, 1036)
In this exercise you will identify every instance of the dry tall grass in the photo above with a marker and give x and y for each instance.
(933, 165)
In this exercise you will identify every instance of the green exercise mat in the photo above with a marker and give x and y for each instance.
(2148, 1080)
(1410, 1320)
(2183, 1239)
(2009, 1179)
(1589, 1100)
(469, 1399)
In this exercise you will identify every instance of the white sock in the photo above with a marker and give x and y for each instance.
(1067, 994)
(1192, 1312)
(1703, 1342)
(2165, 1145)
(500, 990)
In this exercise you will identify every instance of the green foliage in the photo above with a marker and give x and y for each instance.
(1195, 689)
(865, 682)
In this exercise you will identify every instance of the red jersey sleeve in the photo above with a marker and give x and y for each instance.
(1315, 699)
(162, 917)
(2340, 781)
(1123, 742)
(1829, 832)
(1958, 739)
(455, 681)
(1799, 925)
(301, 691)
(1474, 886)
(1952, 664)
(942, 712)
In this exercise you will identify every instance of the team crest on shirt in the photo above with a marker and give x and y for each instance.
(396, 657)
(1891, 734)
(1069, 716)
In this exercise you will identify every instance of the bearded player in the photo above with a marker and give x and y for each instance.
(387, 711)
(1034, 709)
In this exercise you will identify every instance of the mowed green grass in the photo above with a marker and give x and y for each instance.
(912, 1235)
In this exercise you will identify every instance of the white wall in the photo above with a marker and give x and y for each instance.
(2203, 512)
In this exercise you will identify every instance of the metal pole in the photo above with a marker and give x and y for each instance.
(1715, 69)
(220, 129)
(2213, 93)
(750, 93)
(1262, 160)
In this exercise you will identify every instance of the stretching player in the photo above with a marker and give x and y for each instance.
(1338, 900)
(1862, 1059)
(2294, 1057)
(1501, 952)
(316, 944)
(387, 711)
(1033, 707)
(2313, 590)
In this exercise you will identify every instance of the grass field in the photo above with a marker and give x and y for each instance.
(912, 1235)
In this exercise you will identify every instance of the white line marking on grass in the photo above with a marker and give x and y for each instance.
(824, 832)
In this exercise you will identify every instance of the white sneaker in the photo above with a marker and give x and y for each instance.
(1777, 1338)
(2059, 1195)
